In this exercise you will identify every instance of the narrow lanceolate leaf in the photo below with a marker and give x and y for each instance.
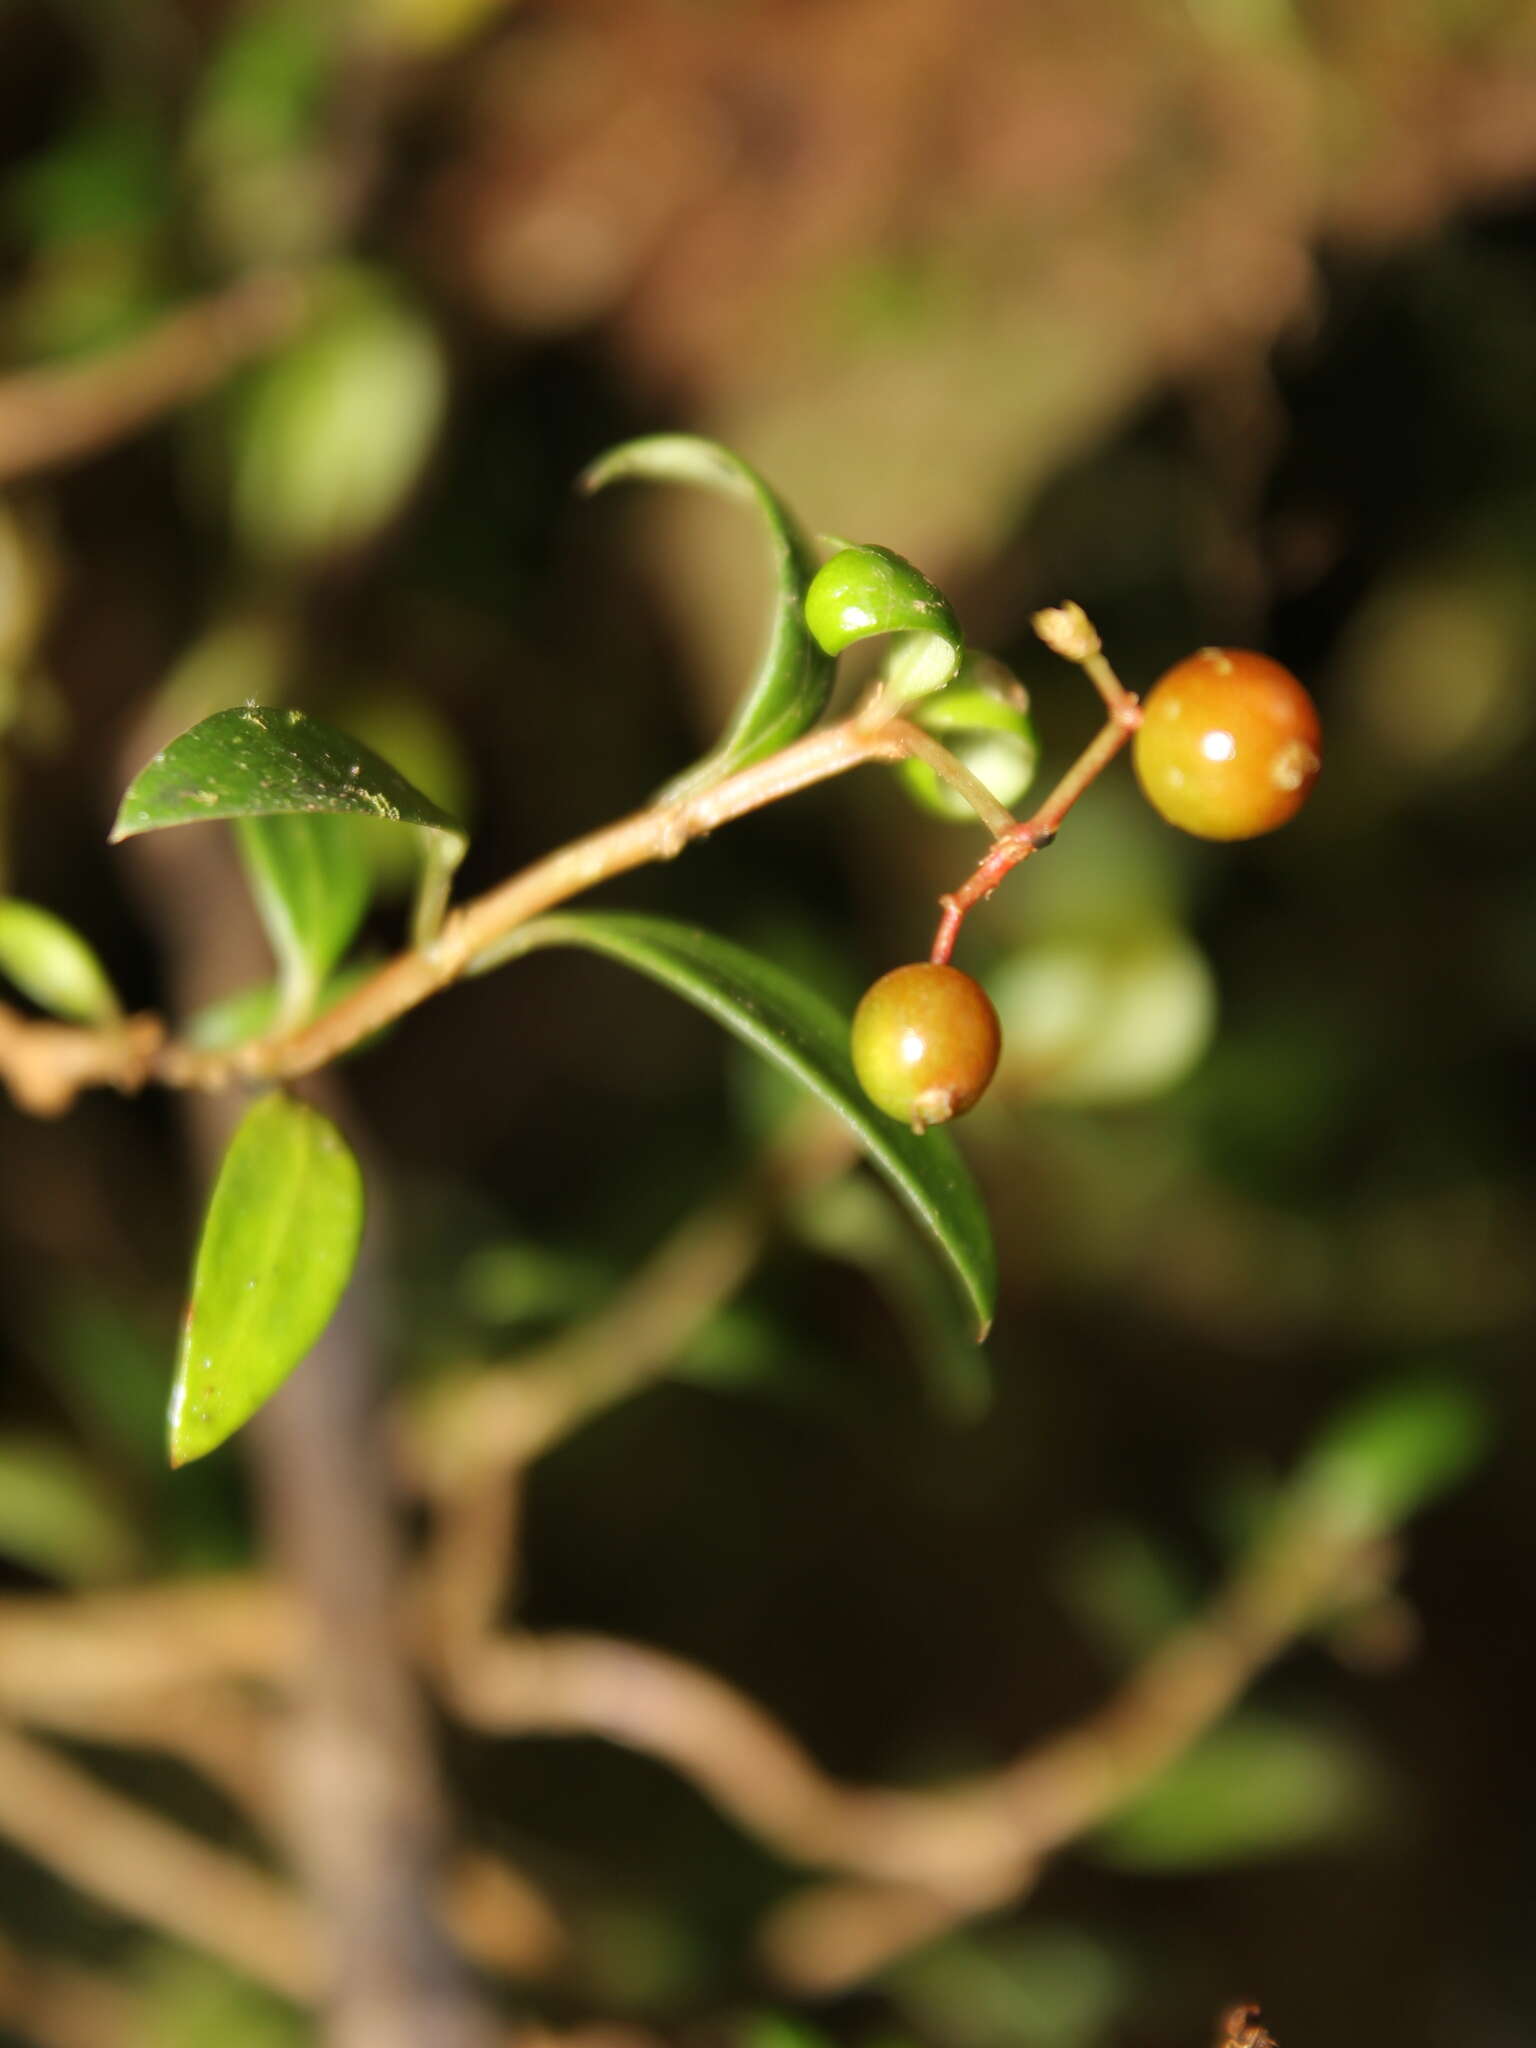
(802, 1034)
(794, 680)
(50, 962)
(279, 1242)
(257, 762)
(863, 592)
(311, 878)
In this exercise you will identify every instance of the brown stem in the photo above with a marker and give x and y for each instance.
(1068, 633)
(56, 415)
(46, 1065)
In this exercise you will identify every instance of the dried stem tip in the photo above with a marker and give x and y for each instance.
(1068, 631)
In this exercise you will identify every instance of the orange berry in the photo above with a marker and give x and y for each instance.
(925, 1043)
(1229, 746)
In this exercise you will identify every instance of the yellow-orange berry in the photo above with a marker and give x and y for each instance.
(1230, 744)
(925, 1043)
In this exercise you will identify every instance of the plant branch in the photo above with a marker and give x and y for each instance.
(1067, 631)
(59, 414)
(152, 1871)
(46, 1065)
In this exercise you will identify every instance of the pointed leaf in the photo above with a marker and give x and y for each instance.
(794, 680)
(279, 1242)
(50, 962)
(801, 1033)
(863, 592)
(257, 762)
(311, 877)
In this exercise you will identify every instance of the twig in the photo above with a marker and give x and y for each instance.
(503, 1417)
(924, 1858)
(46, 1065)
(56, 415)
(1067, 631)
(151, 1871)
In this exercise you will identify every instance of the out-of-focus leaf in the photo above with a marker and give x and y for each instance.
(191, 2001)
(1124, 1589)
(278, 1246)
(252, 1012)
(330, 435)
(1047, 1986)
(55, 1517)
(311, 876)
(863, 592)
(983, 718)
(50, 962)
(1392, 1452)
(800, 1033)
(794, 680)
(258, 762)
(1254, 1788)
(1104, 1017)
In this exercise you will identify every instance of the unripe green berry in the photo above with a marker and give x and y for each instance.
(1229, 746)
(925, 1043)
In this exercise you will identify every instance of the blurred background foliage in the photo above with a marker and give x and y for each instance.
(1215, 315)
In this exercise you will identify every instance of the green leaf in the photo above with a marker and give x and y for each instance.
(257, 762)
(311, 877)
(983, 718)
(1390, 1453)
(1255, 1788)
(863, 592)
(803, 1035)
(50, 962)
(278, 1246)
(253, 1011)
(794, 680)
(329, 435)
(56, 1517)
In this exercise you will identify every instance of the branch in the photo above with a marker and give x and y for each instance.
(59, 414)
(923, 1859)
(46, 1065)
(152, 1871)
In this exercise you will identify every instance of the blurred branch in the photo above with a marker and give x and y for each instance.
(59, 414)
(504, 1417)
(59, 2005)
(152, 1871)
(924, 1858)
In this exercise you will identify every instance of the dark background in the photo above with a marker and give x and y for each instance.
(1218, 319)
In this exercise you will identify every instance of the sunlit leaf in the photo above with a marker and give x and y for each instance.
(49, 961)
(278, 1246)
(794, 680)
(258, 762)
(802, 1034)
(863, 592)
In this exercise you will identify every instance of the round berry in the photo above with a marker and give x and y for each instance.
(925, 1042)
(1229, 745)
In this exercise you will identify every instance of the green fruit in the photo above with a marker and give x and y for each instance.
(925, 1043)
